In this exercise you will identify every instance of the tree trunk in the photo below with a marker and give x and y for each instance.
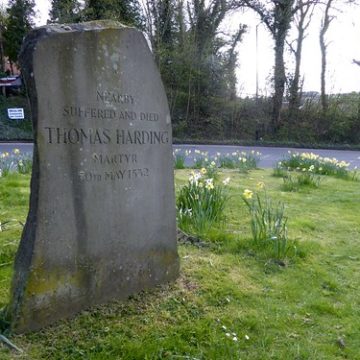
(305, 9)
(323, 96)
(279, 82)
(2, 56)
(294, 101)
(323, 47)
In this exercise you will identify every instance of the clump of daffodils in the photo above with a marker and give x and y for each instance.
(267, 220)
(200, 203)
(15, 161)
(197, 159)
(179, 158)
(242, 160)
(315, 164)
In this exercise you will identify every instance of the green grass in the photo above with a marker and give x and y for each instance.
(309, 309)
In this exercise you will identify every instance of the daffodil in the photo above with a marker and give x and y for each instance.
(226, 181)
(194, 177)
(203, 171)
(260, 185)
(248, 194)
(188, 212)
(209, 184)
(16, 151)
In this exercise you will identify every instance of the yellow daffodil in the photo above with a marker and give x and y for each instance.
(209, 184)
(260, 185)
(248, 194)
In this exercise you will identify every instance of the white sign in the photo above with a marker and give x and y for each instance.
(15, 113)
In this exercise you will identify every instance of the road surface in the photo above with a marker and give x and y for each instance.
(269, 155)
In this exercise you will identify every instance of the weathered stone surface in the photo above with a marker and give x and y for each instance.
(101, 224)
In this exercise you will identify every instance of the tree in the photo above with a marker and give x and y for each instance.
(3, 21)
(325, 23)
(20, 13)
(231, 61)
(196, 62)
(205, 64)
(302, 19)
(126, 11)
(64, 11)
(277, 16)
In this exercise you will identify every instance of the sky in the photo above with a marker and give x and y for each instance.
(344, 46)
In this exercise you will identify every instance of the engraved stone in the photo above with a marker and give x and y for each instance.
(101, 223)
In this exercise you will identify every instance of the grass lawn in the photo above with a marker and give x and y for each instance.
(231, 300)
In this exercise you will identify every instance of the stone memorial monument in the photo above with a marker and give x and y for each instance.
(101, 223)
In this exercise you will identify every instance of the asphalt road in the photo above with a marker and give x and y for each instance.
(269, 155)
